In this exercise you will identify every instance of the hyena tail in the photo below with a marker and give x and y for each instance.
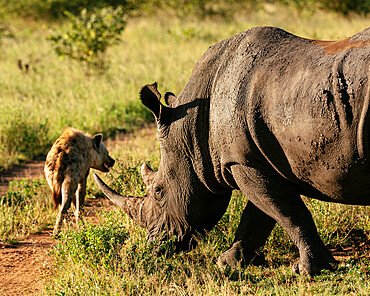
(57, 180)
(57, 194)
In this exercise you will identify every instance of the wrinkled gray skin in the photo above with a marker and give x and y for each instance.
(271, 114)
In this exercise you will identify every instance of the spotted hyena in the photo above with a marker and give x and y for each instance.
(67, 166)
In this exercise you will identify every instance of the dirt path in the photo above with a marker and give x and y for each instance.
(23, 267)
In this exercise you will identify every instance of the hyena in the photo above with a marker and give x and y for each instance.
(67, 166)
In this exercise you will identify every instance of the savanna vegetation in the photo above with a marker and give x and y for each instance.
(43, 90)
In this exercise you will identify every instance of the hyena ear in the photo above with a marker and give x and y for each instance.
(96, 141)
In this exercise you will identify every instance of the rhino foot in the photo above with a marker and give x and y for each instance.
(311, 265)
(239, 255)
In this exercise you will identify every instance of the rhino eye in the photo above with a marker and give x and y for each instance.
(157, 191)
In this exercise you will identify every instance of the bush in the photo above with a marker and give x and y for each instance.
(56, 8)
(128, 181)
(76, 6)
(93, 245)
(89, 35)
(341, 6)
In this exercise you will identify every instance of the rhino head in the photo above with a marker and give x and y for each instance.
(177, 202)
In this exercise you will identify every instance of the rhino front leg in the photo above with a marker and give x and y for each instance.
(254, 229)
(281, 200)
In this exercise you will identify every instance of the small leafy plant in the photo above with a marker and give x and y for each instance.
(93, 245)
(89, 35)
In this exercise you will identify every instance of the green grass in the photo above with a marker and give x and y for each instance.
(112, 258)
(26, 208)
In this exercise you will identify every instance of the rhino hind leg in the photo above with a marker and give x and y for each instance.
(281, 200)
(254, 229)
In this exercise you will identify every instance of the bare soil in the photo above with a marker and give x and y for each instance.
(24, 266)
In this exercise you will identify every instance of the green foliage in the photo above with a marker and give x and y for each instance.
(26, 208)
(76, 6)
(93, 245)
(198, 8)
(339, 224)
(126, 178)
(341, 6)
(55, 8)
(89, 35)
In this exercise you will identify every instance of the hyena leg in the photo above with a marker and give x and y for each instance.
(68, 194)
(80, 199)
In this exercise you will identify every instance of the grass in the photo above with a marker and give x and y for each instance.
(54, 93)
(112, 258)
(25, 209)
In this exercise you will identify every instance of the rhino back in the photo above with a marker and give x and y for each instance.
(272, 97)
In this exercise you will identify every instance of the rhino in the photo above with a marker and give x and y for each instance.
(271, 114)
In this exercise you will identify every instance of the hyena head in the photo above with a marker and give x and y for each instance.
(100, 159)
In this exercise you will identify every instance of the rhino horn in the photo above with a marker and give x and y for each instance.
(147, 174)
(132, 206)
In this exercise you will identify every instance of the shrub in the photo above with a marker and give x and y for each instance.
(128, 181)
(93, 245)
(55, 8)
(341, 6)
(76, 6)
(89, 35)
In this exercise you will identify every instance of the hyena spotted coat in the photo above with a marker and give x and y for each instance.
(67, 166)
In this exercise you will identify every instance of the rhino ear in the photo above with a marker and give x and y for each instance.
(169, 98)
(150, 97)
